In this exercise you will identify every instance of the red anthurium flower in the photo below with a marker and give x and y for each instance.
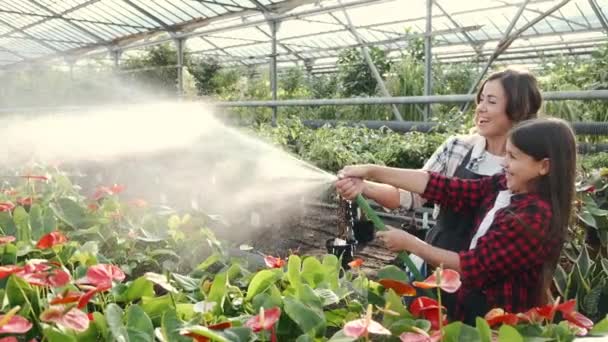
(102, 275)
(578, 331)
(265, 320)
(66, 298)
(72, 319)
(6, 271)
(117, 188)
(35, 177)
(400, 288)
(103, 191)
(51, 239)
(6, 239)
(6, 206)
(449, 281)
(428, 309)
(356, 263)
(422, 304)
(90, 316)
(86, 298)
(273, 262)
(579, 320)
(14, 324)
(25, 201)
(499, 316)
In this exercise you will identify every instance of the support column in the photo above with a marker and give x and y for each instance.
(369, 60)
(179, 43)
(273, 67)
(428, 75)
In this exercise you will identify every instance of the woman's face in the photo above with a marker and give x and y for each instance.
(491, 113)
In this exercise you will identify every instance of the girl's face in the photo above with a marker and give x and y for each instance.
(522, 170)
(491, 113)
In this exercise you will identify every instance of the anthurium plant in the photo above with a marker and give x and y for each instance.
(104, 268)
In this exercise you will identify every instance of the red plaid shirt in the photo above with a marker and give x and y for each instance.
(506, 265)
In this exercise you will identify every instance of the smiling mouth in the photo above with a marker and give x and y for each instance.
(483, 121)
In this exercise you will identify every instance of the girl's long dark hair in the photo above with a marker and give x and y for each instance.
(554, 140)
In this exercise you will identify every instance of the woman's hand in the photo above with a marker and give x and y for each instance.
(349, 188)
(397, 240)
(355, 171)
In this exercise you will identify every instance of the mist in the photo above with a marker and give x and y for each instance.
(171, 153)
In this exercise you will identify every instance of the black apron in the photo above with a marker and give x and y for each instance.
(453, 231)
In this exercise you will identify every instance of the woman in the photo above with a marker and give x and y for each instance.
(504, 99)
(520, 219)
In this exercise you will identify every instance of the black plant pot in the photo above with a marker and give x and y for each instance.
(345, 252)
(364, 231)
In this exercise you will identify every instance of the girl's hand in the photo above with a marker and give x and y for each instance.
(355, 171)
(397, 240)
(349, 188)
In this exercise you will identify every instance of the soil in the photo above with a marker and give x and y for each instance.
(306, 234)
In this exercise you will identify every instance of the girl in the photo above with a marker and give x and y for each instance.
(520, 218)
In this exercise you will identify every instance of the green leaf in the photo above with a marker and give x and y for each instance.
(584, 262)
(170, 326)
(17, 290)
(9, 255)
(156, 306)
(341, 337)
(140, 287)
(186, 283)
(49, 222)
(294, 268)
(160, 280)
(53, 335)
(331, 267)
(328, 296)
(304, 338)
(70, 212)
(604, 263)
(102, 325)
(508, 333)
(238, 334)
(311, 321)
(117, 328)
(22, 222)
(36, 221)
(217, 294)
(308, 296)
(213, 335)
(312, 271)
(600, 328)
(560, 279)
(392, 272)
(261, 281)
(139, 325)
(485, 332)
(591, 302)
(7, 224)
(587, 218)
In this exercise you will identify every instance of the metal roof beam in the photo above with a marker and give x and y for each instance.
(225, 4)
(22, 31)
(475, 45)
(164, 25)
(599, 14)
(74, 25)
(73, 9)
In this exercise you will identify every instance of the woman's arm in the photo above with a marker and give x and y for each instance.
(398, 240)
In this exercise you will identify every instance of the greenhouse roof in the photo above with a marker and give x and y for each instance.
(309, 33)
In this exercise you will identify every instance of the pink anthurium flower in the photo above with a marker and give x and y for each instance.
(44, 273)
(72, 319)
(25, 201)
(362, 327)
(102, 275)
(10, 323)
(103, 191)
(274, 262)
(6, 239)
(420, 335)
(7, 270)
(449, 281)
(35, 177)
(265, 320)
(6, 206)
(51, 239)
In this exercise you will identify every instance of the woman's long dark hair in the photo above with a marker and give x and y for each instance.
(554, 140)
